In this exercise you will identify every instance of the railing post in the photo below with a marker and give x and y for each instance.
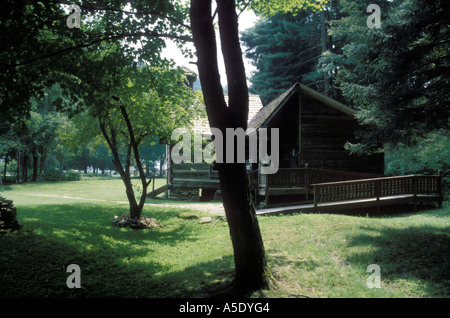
(316, 195)
(266, 192)
(377, 190)
(439, 188)
(414, 184)
(307, 181)
(153, 183)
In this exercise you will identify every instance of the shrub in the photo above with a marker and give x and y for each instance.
(57, 175)
(72, 175)
(427, 156)
(52, 175)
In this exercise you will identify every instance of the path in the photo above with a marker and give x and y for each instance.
(216, 209)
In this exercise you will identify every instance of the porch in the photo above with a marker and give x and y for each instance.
(295, 185)
(375, 192)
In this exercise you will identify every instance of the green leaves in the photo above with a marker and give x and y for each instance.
(398, 74)
(285, 50)
(38, 49)
(272, 7)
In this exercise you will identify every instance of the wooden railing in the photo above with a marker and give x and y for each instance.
(302, 177)
(378, 188)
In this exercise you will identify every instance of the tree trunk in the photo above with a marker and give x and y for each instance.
(161, 163)
(35, 167)
(4, 169)
(249, 254)
(135, 211)
(135, 208)
(25, 167)
(323, 35)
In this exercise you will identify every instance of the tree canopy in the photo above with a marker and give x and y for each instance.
(284, 49)
(398, 75)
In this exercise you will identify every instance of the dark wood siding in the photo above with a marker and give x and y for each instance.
(325, 131)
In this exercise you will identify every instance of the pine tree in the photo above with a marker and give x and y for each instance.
(398, 75)
(284, 49)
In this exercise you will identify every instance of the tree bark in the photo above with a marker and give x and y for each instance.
(323, 35)
(4, 168)
(135, 207)
(248, 247)
(124, 173)
(134, 146)
(25, 167)
(35, 167)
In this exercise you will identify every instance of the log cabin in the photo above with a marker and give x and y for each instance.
(313, 130)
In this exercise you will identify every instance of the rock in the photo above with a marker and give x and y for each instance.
(8, 216)
(141, 223)
(123, 223)
(116, 219)
(187, 215)
(206, 219)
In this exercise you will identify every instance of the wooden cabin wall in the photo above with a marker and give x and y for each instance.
(324, 132)
(287, 122)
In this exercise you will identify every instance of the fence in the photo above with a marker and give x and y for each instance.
(390, 187)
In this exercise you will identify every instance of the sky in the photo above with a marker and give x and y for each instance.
(246, 20)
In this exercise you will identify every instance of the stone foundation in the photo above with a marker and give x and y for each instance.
(185, 194)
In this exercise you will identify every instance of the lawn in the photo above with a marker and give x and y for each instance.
(309, 255)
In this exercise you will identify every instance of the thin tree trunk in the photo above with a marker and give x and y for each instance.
(134, 143)
(35, 167)
(4, 169)
(323, 35)
(135, 209)
(25, 167)
(18, 161)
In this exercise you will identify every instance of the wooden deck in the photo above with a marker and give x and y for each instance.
(376, 192)
(296, 182)
(195, 183)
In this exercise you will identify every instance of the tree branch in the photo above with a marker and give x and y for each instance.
(245, 7)
(92, 8)
(108, 38)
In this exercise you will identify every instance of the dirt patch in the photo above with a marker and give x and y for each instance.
(212, 208)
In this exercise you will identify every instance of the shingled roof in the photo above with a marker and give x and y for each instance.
(254, 106)
(262, 118)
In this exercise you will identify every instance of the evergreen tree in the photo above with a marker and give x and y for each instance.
(284, 49)
(398, 75)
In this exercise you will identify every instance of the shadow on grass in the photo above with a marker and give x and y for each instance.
(114, 262)
(414, 253)
(275, 259)
(387, 210)
(34, 266)
(81, 221)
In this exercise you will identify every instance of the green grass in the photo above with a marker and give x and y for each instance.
(312, 255)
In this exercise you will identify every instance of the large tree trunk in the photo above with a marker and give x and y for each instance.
(249, 254)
